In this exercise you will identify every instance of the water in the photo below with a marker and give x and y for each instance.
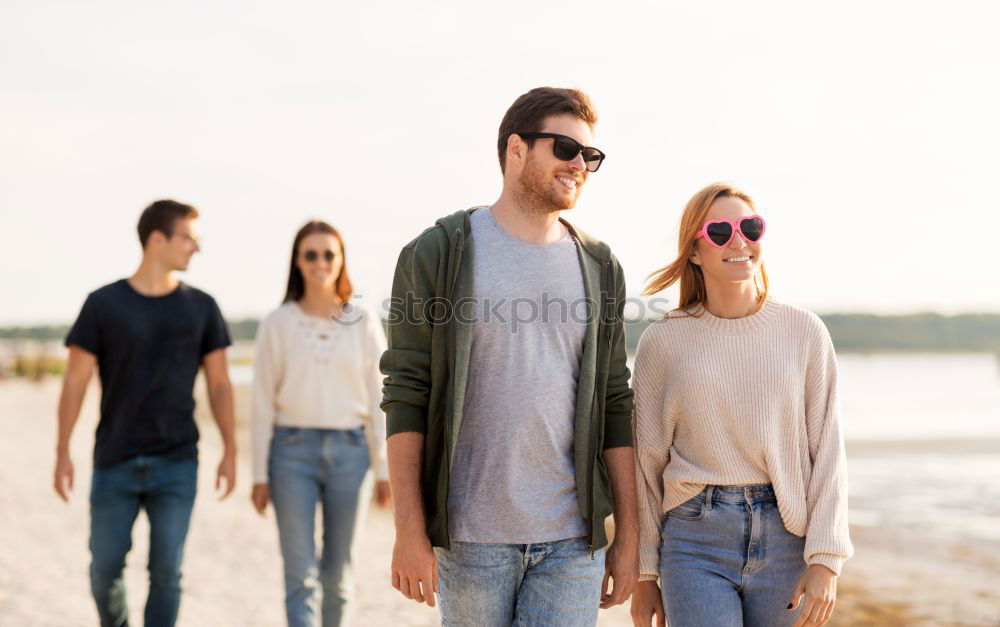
(891, 396)
(919, 397)
(923, 442)
(946, 492)
(900, 397)
(241, 374)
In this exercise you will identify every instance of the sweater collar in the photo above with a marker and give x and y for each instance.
(736, 326)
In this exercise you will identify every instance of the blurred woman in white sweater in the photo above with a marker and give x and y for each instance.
(316, 427)
(740, 458)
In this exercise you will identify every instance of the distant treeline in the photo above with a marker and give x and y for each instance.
(850, 332)
(239, 329)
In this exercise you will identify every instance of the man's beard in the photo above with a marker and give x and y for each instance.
(535, 191)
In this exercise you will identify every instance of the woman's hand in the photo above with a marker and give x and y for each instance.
(383, 495)
(818, 586)
(647, 603)
(260, 496)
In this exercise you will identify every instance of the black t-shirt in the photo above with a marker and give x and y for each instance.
(149, 350)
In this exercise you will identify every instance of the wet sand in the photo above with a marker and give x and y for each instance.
(232, 568)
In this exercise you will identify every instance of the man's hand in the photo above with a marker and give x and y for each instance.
(621, 565)
(414, 567)
(220, 397)
(383, 494)
(63, 480)
(80, 365)
(646, 604)
(818, 586)
(227, 471)
(259, 496)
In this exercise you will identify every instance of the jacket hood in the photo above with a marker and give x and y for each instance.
(457, 224)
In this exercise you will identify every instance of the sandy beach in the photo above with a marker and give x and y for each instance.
(232, 569)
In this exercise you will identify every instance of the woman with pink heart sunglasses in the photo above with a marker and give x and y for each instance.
(740, 458)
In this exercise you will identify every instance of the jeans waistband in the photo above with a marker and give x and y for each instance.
(316, 430)
(738, 493)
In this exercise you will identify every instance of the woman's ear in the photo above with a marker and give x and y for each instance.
(693, 255)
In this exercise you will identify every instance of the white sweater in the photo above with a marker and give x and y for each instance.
(316, 373)
(737, 402)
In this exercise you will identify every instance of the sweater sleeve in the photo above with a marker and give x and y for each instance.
(267, 375)
(827, 534)
(375, 346)
(652, 449)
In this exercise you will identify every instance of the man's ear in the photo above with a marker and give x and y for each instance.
(156, 237)
(517, 150)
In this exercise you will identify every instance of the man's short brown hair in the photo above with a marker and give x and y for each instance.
(161, 216)
(530, 109)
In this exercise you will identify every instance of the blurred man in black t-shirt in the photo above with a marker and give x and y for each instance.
(148, 335)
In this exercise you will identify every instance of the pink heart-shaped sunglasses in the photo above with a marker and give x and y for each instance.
(720, 232)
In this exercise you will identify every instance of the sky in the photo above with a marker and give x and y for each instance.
(866, 132)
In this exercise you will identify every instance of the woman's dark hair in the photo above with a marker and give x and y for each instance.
(296, 284)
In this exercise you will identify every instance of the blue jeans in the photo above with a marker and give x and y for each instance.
(549, 583)
(328, 467)
(727, 559)
(165, 488)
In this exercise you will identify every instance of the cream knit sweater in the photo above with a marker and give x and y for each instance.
(736, 402)
(315, 373)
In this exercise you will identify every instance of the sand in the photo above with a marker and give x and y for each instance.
(232, 567)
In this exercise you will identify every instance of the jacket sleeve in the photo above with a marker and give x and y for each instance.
(406, 363)
(618, 395)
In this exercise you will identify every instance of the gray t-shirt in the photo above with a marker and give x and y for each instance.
(512, 478)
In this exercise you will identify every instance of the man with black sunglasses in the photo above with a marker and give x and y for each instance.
(507, 397)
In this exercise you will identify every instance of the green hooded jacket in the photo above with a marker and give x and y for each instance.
(427, 362)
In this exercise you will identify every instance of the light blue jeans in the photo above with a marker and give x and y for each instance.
(550, 583)
(328, 467)
(727, 560)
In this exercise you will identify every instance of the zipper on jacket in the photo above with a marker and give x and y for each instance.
(607, 273)
(459, 247)
(594, 417)
(593, 461)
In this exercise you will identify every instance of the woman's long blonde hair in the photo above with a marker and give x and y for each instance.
(693, 292)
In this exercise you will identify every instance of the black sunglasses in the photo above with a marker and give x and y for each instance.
(567, 148)
(311, 256)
